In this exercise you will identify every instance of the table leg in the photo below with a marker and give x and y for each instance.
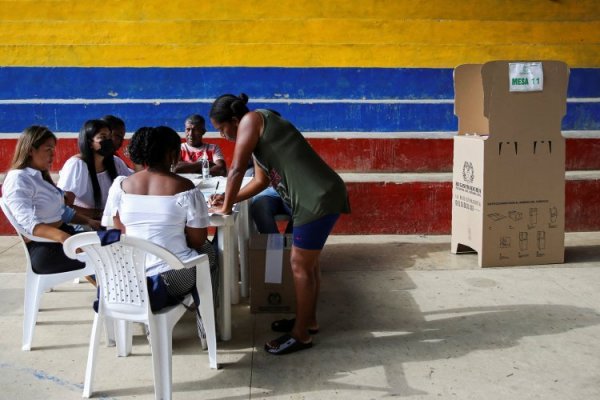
(226, 260)
(243, 236)
(234, 285)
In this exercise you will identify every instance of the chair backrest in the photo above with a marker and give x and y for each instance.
(120, 272)
(20, 231)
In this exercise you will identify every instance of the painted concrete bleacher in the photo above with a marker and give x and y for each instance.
(370, 85)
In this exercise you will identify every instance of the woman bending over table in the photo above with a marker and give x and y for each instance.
(314, 192)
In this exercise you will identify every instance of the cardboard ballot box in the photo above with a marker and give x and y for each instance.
(271, 279)
(508, 194)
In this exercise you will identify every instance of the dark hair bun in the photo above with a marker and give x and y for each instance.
(228, 106)
(238, 106)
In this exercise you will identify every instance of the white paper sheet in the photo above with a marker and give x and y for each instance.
(274, 258)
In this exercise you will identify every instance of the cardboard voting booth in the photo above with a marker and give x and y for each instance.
(508, 194)
(271, 279)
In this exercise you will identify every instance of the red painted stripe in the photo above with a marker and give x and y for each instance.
(386, 155)
(397, 208)
(425, 208)
(366, 155)
(582, 213)
(583, 154)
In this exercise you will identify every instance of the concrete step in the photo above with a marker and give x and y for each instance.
(152, 10)
(420, 203)
(386, 153)
(321, 31)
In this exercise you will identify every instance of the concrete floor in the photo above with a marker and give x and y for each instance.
(400, 317)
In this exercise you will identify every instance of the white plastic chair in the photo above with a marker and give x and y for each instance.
(121, 276)
(36, 284)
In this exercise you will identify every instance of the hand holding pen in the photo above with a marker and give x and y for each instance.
(216, 199)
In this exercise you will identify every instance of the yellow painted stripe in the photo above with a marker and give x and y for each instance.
(298, 31)
(336, 33)
(110, 10)
(290, 55)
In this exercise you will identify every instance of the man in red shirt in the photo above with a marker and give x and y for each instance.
(194, 149)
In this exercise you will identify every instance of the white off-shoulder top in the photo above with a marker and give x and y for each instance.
(160, 219)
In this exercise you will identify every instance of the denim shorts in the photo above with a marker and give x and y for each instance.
(312, 236)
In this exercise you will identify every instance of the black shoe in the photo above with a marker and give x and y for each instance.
(286, 344)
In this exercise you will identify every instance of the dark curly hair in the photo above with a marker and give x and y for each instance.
(137, 146)
(151, 146)
(227, 106)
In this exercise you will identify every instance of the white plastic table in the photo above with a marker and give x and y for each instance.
(230, 229)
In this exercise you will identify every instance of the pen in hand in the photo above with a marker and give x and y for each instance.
(212, 199)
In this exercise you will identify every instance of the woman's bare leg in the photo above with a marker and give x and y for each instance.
(305, 268)
(314, 324)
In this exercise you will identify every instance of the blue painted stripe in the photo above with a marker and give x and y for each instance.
(267, 83)
(320, 117)
(150, 83)
(584, 83)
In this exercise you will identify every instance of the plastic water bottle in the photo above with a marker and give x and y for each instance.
(205, 166)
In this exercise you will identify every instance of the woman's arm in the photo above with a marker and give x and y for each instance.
(195, 237)
(82, 219)
(117, 224)
(92, 213)
(248, 133)
(48, 231)
(69, 198)
(19, 194)
(258, 183)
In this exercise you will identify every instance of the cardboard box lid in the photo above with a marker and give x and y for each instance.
(484, 104)
(468, 100)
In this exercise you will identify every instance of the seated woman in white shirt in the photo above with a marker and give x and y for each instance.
(87, 176)
(38, 205)
(163, 207)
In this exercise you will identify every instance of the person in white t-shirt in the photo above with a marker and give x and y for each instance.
(194, 149)
(117, 130)
(87, 176)
(117, 135)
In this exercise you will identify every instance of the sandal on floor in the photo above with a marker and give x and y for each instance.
(286, 344)
(286, 325)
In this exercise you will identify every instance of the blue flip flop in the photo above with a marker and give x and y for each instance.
(286, 344)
